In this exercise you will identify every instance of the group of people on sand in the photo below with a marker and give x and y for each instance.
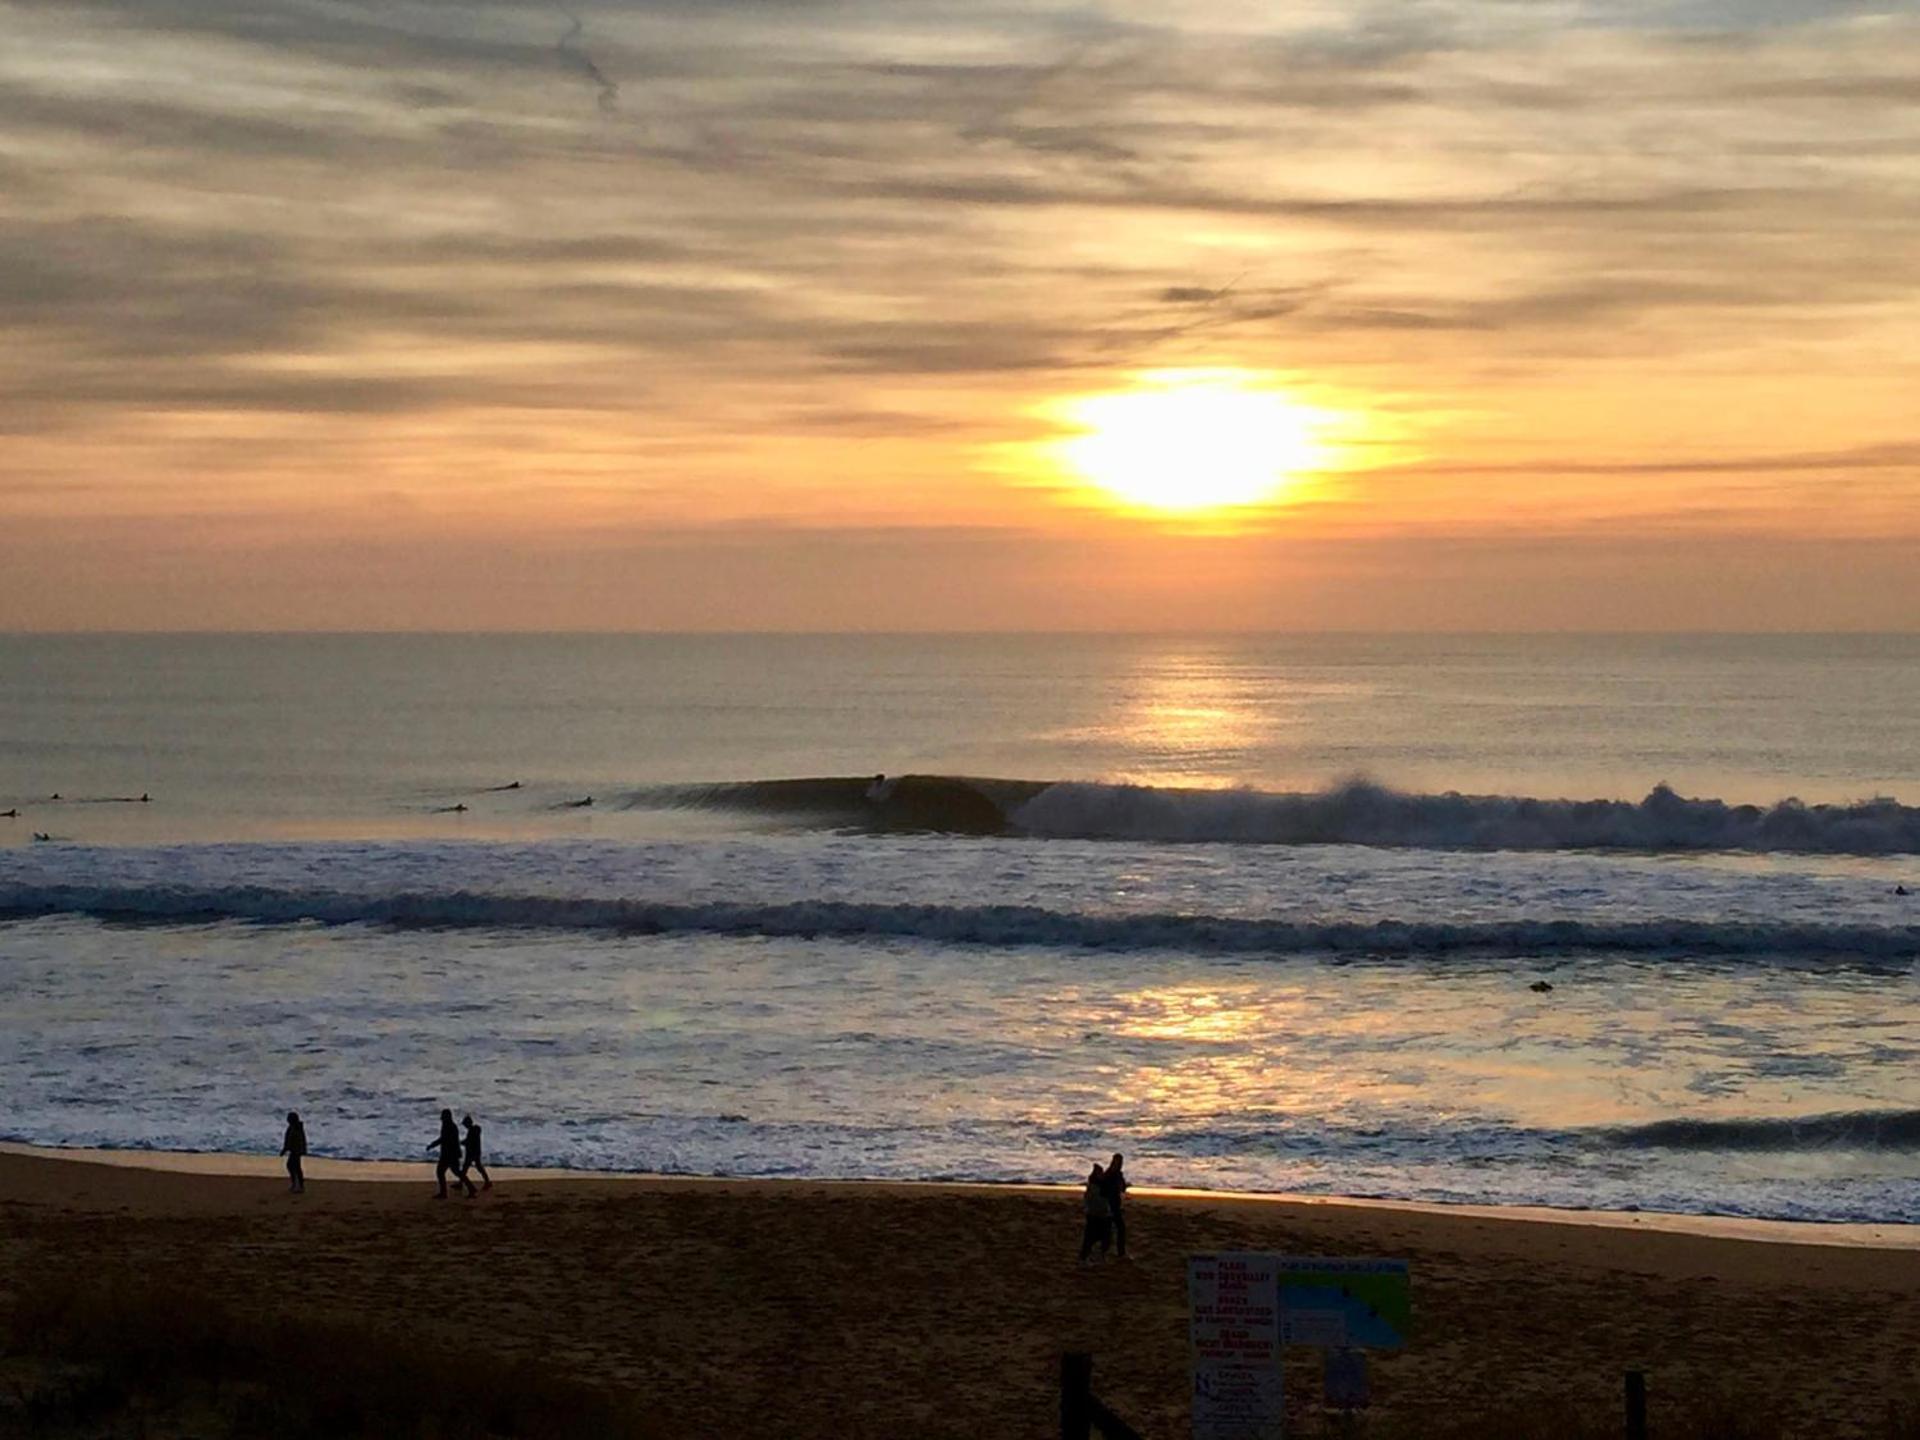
(1106, 1225)
(459, 1155)
(456, 1155)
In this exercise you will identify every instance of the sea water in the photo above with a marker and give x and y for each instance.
(1573, 920)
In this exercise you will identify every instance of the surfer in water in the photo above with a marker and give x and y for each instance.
(881, 790)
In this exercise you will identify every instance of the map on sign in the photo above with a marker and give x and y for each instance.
(1362, 1304)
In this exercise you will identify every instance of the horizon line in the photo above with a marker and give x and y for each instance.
(956, 632)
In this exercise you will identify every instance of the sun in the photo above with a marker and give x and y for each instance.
(1182, 442)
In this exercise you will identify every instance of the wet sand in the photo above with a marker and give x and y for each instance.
(814, 1309)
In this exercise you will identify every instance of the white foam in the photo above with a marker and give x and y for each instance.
(1362, 813)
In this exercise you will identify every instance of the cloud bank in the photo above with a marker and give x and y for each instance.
(501, 270)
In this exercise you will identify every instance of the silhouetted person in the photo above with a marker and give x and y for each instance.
(1099, 1227)
(449, 1161)
(470, 1156)
(1114, 1186)
(294, 1147)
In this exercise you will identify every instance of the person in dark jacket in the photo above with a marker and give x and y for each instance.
(470, 1155)
(449, 1162)
(294, 1147)
(1099, 1224)
(1114, 1186)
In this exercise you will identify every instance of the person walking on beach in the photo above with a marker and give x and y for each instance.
(294, 1147)
(1099, 1217)
(470, 1156)
(449, 1162)
(1114, 1186)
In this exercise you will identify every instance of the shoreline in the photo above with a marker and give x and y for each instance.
(212, 1164)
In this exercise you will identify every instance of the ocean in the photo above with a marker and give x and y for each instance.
(1574, 921)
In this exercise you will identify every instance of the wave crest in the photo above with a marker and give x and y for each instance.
(1362, 813)
(1849, 1130)
(1359, 812)
(1005, 925)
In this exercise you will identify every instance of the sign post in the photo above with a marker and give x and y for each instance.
(1343, 1378)
(1234, 1302)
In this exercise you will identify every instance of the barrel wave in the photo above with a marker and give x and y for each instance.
(1358, 812)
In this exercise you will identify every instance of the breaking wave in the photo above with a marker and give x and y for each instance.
(1357, 813)
(1850, 1130)
(1003, 925)
(1365, 814)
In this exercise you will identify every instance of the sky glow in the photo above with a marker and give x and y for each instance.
(789, 315)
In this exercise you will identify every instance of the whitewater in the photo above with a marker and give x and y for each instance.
(1609, 923)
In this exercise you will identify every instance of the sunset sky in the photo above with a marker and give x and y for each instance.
(700, 314)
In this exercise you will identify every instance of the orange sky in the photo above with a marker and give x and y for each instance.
(776, 315)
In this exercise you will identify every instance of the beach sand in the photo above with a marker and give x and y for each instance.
(790, 1308)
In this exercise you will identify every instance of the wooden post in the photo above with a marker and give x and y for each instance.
(1636, 1405)
(1076, 1397)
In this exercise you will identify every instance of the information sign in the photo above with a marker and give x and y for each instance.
(1234, 1302)
(1345, 1303)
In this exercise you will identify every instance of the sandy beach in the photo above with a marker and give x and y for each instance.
(817, 1309)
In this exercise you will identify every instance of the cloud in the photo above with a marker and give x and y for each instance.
(818, 222)
(577, 59)
(1866, 457)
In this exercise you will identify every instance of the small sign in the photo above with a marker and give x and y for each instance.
(1342, 1304)
(1345, 1376)
(1234, 1330)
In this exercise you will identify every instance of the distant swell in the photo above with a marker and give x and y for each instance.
(1357, 813)
(1005, 925)
(1856, 1130)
